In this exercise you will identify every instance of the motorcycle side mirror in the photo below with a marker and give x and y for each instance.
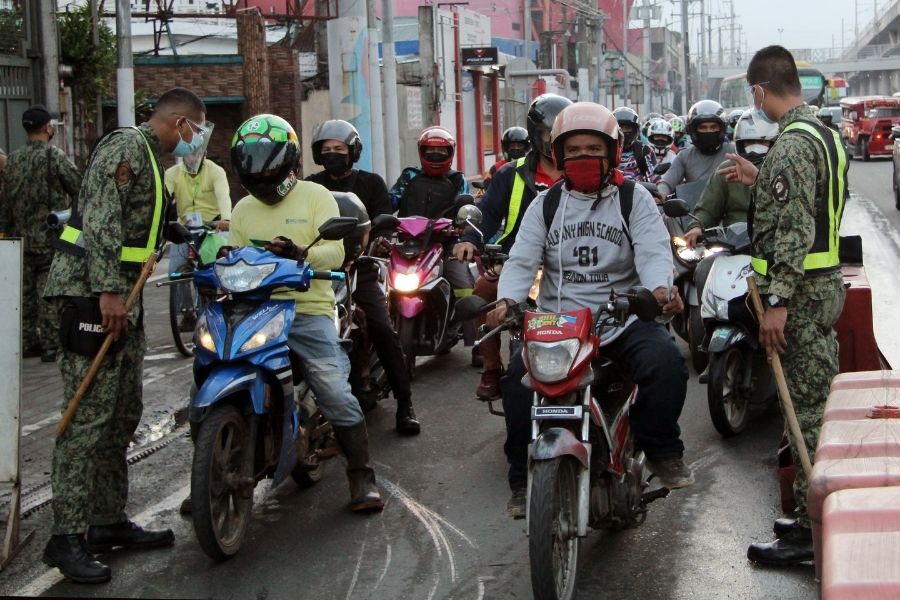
(177, 233)
(468, 307)
(643, 303)
(676, 208)
(661, 169)
(337, 228)
(478, 185)
(468, 214)
(385, 222)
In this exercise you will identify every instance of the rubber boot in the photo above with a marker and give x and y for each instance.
(68, 554)
(407, 424)
(364, 495)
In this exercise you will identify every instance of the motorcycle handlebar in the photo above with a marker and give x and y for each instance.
(328, 275)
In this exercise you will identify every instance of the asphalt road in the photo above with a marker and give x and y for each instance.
(444, 533)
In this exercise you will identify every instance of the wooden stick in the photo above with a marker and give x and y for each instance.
(135, 293)
(784, 395)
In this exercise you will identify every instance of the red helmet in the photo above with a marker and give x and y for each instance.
(436, 149)
(587, 117)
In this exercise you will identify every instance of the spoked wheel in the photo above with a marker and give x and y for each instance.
(221, 483)
(729, 404)
(184, 309)
(552, 529)
(309, 472)
(406, 329)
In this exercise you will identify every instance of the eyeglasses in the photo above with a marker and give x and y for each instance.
(201, 129)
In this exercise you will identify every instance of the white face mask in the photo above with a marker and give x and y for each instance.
(756, 148)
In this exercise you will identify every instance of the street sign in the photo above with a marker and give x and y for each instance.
(478, 57)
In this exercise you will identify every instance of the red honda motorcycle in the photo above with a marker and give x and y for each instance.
(583, 469)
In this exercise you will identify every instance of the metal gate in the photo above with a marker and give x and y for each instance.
(16, 89)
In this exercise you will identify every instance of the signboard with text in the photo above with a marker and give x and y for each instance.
(479, 57)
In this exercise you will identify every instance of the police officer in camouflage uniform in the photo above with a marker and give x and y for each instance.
(797, 202)
(39, 178)
(115, 228)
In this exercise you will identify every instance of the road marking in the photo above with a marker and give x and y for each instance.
(362, 553)
(163, 356)
(52, 577)
(387, 564)
(29, 429)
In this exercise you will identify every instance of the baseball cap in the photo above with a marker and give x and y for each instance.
(37, 116)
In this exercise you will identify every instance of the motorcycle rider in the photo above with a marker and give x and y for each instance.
(431, 190)
(638, 159)
(627, 251)
(733, 117)
(827, 118)
(515, 144)
(677, 124)
(645, 128)
(706, 128)
(515, 187)
(662, 140)
(727, 203)
(336, 146)
(265, 153)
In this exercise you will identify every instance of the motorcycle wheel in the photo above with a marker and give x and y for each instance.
(406, 330)
(184, 308)
(696, 331)
(222, 506)
(309, 472)
(552, 529)
(729, 407)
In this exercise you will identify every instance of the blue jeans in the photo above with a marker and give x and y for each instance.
(326, 368)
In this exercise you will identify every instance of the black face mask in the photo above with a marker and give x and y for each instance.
(708, 142)
(335, 164)
(434, 157)
(630, 136)
(515, 154)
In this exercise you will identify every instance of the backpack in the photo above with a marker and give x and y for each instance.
(626, 200)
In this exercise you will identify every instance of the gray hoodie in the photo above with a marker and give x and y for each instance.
(692, 165)
(596, 255)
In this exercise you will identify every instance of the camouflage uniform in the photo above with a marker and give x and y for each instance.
(786, 198)
(90, 475)
(38, 179)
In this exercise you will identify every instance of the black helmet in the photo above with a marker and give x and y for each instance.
(264, 155)
(514, 134)
(706, 111)
(541, 114)
(350, 205)
(341, 131)
(626, 117)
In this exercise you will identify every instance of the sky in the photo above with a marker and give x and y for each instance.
(803, 23)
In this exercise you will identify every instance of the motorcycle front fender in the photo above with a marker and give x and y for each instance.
(410, 306)
(226, 380)
(558, 441)
(726, 336)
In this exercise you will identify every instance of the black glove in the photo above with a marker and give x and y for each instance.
(286, 247)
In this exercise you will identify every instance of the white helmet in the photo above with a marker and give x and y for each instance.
(661, 136)
(753, 136)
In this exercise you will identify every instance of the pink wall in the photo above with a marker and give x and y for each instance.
(503, 13)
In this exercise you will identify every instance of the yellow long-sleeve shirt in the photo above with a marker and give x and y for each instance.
(298, 217)
(207, 193)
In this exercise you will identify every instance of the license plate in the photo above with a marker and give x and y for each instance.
(556, 413)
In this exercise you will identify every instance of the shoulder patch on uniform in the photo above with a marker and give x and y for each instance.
(781, 188)
(123, 173)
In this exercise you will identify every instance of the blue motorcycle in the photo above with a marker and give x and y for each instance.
(245, 421)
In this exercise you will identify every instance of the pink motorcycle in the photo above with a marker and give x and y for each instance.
(421, 299)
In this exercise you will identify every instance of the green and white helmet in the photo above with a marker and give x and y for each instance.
(265, 151)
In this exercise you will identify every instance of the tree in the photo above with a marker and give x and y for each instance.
(92, 66)
(10, 32)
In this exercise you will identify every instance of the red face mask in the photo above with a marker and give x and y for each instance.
(585, 173)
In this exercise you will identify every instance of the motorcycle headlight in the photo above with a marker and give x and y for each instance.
(406, 282)
(204, 336)
(691, 255)
(271, 330)
(241, 277)
(551, 361)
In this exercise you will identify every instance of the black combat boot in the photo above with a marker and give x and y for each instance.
(364, 495)
(103, 538)
(782, 527)
(794, 547)
(407, 424)
(67, 553)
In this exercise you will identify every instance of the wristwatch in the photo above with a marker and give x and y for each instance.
(776, 301)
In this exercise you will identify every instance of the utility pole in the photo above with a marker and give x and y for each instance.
(375, 107)
(731, 29)
(95, 37)
(526, 9)
(703, 71)
(50, 55)
(686, 75)
(125, 68)
(625, 87)
(391, 119)
(645, 64)
(855, 22)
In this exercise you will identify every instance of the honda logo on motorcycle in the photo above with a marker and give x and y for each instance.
(541, 413)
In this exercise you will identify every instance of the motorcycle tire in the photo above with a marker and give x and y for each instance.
(221, 511)
(553, 542)
(729, 406)
(309, 472)
(406, 330)
(695, 334)
(184, 309)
